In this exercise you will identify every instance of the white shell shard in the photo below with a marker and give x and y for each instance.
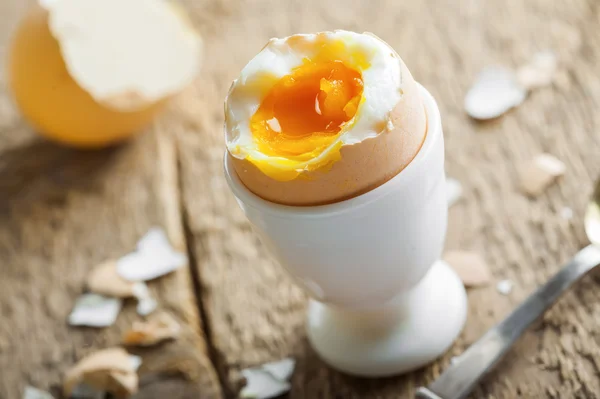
(84, 391)
(504, 287)
(104, 280)
(144, 266)
(95, 310)
(454, 191)
(47, 4)
(550, 164)
(262, 385)
(268, 380)
(146, 304)
(155, 238)
(592, 223)
(136, 362)
(126, 54)
(154, 258)
(539, 173)
(471, 268)
(495, 91)
(281, 369)
(540, 72)
(566, 213)
(34, 393)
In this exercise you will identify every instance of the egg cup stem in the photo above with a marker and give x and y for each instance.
(382, 303)
(408, 333)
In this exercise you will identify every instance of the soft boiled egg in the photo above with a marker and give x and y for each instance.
(318, 118)
(90, 73)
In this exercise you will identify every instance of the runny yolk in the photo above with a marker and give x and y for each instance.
(305, 111)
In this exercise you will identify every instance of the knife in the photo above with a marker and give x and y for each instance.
(470, 367)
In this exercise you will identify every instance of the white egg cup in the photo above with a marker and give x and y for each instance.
(382, 304)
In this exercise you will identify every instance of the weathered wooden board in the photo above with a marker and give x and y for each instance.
(61, 213)
(256, 314)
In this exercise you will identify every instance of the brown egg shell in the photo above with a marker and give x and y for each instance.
(363, 166)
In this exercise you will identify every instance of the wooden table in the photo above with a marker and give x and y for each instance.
(62, 211)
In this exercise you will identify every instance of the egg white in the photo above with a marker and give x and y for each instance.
(382, 90)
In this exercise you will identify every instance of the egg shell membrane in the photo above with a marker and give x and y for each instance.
(138, 80)
(360, 168)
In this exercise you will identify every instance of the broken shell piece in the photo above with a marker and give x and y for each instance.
(262, 385)
(154, 258)
(105, 60)
(120, 69)
(34, 393)
(160, 328)
(566, 213)
(105, 280)
(495, 91)
(540, 72)
(504, 287)
(454, 191)
(269, 380)
(143, 266)
(281, 369)
(154, 239)
(95, 310)
(112, 370)
(84, 391)
(539, 173)
(122, 385)
(136, 362)
(46, 4)
(470, 267)
(146, 304)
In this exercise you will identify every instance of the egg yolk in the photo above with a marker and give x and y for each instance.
(304, 112)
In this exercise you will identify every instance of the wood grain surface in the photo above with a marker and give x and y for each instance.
(63, 211)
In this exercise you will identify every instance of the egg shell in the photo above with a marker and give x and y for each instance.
(68, 107)
(49, 98)
(363, 166)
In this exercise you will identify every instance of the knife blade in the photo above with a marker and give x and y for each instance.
(463, 375)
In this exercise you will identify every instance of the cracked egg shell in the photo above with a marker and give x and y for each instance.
(82, 73)
(319, 118)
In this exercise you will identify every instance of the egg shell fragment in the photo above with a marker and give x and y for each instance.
(120, 69)
(155, 257)
(157, 329)
(504, 287)
(363, 166)
(470, 267)
(112, 370)
(454, 191)
(539, 173)
(105, 280)
(495, 91)
(539, 72)
(34, 393)
(93, 73)
(95, 310)
(146, 304)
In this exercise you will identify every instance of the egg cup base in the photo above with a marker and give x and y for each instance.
(410, 332)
